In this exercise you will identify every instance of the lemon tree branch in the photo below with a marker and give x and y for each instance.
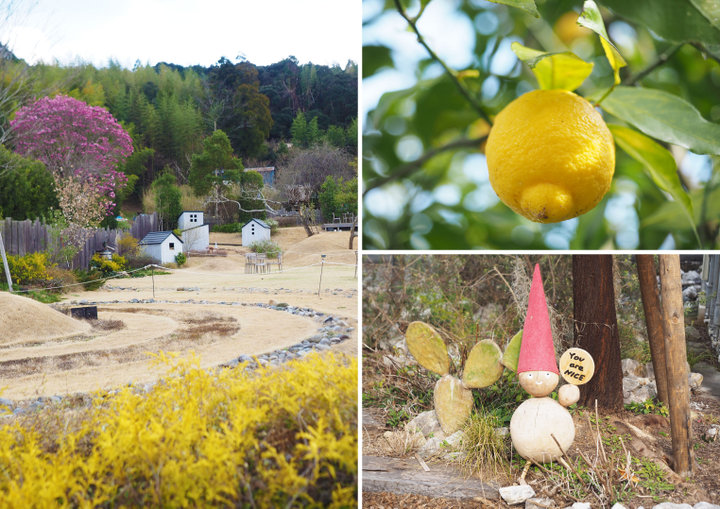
(664, 57)
(450, 72)
(406, 169)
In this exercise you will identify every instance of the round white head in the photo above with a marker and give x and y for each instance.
(538, 383)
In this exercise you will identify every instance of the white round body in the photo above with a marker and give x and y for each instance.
(533, 423)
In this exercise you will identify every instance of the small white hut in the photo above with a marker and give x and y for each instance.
(162, 247)
(255, 230)
(195, 234)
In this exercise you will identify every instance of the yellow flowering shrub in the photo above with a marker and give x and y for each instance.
(278, 436)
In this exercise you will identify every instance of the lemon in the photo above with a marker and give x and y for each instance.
(550, 156)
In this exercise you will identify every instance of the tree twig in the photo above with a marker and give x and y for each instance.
(664, 57)
(407, 169)
(450, 72)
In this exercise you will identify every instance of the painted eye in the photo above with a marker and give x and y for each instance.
(547, 374)
(529, 375)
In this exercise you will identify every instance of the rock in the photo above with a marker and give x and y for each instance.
(690, 278)
(581, 505)
(618, 506)
(7, 403)
(695, 380)
(631, 367)
(513, 495)
(671, 505)
(539, 503)
(690, 293)
(691, 333)
(441, 445)
(706, 505)
(637, 389)
(712, 433)
(426, 423)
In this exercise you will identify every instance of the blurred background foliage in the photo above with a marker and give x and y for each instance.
(425, 180)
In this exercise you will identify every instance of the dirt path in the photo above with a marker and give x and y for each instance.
(209, 307)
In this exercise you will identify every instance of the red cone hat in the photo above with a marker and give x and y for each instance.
(537, 352)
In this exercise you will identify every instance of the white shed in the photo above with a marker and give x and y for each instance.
(195, 234)
(255, 230)
(162, 247)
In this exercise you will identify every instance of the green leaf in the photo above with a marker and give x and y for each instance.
(659, 164)
(592, 19)
(526, 5)
(673, 20)
(710, 9)
(564, 70)
(375, 58)
(664, 116)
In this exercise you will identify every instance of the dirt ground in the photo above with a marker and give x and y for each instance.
(207, 307)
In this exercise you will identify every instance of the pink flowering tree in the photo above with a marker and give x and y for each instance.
(81, 146)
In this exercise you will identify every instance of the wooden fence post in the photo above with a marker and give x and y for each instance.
(653, 321)
(677, 373)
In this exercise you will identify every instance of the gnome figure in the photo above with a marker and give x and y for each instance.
(540, 418)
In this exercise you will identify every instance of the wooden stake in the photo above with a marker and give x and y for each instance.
(5, 263)
(653, 321)
(677, 373)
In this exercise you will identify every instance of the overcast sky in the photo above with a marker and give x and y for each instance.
(184, 32)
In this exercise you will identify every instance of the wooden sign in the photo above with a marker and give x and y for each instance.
(577, 366)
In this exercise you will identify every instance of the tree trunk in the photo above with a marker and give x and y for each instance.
(596, 329)
(653, 320)
(353, 232)
(678, 387)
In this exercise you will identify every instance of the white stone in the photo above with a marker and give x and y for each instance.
(581, 505)
(426, 423)
(532, 425)
(671, 505)
(706, 505)
(539, 503)
(618, 506)
(631, 367)
(441, 445)
(695, 380)
(516, 494)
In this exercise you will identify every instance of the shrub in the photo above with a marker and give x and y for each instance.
(60, 279)
(180, 259)
(108, 267)
(276, 437)
(227, 228)
(266, 246)
(274, 225)
(29, 269)
(128, 245)
(92, 279)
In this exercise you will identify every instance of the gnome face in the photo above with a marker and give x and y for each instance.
(538, 383)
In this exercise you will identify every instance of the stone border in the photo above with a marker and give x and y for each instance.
(332, 331)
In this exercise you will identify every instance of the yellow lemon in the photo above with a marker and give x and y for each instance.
(550, 156)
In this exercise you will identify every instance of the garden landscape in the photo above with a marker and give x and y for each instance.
(179, 281)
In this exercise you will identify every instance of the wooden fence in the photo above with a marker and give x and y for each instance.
(22, 237)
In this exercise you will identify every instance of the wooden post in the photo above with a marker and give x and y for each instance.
(653, 321)
(5, 263)
(677, 373)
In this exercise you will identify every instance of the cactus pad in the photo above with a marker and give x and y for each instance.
(512, 352)
(453, 403)
(483, 367)
(428, 348)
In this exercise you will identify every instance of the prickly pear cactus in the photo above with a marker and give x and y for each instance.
(512, 352)
(483, 367)
(453, 403)
(428, 348)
